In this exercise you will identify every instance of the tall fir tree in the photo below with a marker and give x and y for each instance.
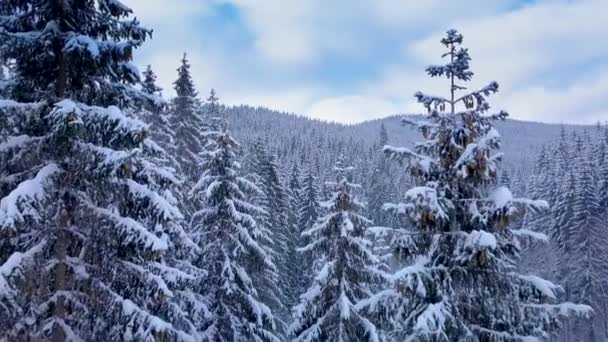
(588, 261)
(272, 223)
(154, 112)
(380, 186)
(295, 195)
(308, 213)
(90, 220)
(461, 283)
(148, 84)
(328, 309)
(227, 233)
(189, 127)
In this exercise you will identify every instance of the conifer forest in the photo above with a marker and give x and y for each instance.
(131, 215)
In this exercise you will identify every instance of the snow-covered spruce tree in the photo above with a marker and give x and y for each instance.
(298, 263)
(227, 233)
(154, 112)
(295, 196)
(603, 200)
(380, 187)
(213, 109)
(186, 306)
(148, 84)
(189, 128)
(541, 257)
(327, 310)
(461, 284)
(84, 212)
(588, 262)
(154, 101)
(603, 179)
(271, 222)
(309, 207)
(281, 230)
(308, 213)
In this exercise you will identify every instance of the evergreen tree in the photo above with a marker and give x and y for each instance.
(327, 310)
(90, 220)
(189, 127)
(296, 262)
(505, 179)
(272, 223)
(148, 84)
(227, 233)
(588, 262)
(461, 284)
(153, 93)
(540, 256)
(383, 140)
(295, 197)
(213, 106)
(153, 111)
(380, 187)
(308, 213)
(309, 210)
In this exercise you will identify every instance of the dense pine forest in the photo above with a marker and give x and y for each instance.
(126, 215)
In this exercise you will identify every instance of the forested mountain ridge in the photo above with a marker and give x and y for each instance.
(288, 134)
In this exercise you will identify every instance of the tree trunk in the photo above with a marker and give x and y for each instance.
(60, 271)
(63, 221)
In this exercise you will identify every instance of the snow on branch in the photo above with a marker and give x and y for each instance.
(426, 206)
(547, 288)
(167, 210)
(479, 239)
(531, 234)
(470, 158)
(107, 157)
(14, 265)
(16, 142)
(93, 116)
(25, 199)
(79, 42)
(131, 230)
(563, 309)
(417, 161)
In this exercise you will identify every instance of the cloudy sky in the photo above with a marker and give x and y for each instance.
(350, 61)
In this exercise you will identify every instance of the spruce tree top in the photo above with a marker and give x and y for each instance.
(184, 86)
(149, 83)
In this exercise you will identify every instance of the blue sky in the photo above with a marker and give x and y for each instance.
(350, 61)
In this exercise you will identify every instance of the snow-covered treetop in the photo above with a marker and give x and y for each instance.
(148, 84)
(461, 143)
(152, 93)
(213, 112)
(184, 86)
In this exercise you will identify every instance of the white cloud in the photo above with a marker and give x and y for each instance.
(520, 45)
(529, 51)
(298, 33)
(535, 52)
(292, 100)
(282, 29)
(581, 102)
(428, 14)
(159, 10)
(352, 109)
